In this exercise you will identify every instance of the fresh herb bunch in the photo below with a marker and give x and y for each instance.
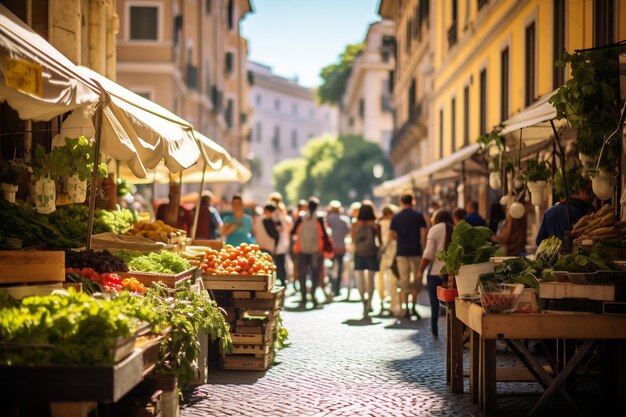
(281, 335)
(582, 263)
(9, 173)
(164, 262)
(469, 245)
(54, 164)
(188, 312)
(537, 170)
(516, 271)
(79, 153)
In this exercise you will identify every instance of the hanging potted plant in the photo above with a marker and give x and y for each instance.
(9, 178)
(80, 155)
(589, 102)
(492, 145)
(537, 174)
(47, 167)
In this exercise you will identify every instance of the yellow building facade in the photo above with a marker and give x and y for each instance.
(482, 61)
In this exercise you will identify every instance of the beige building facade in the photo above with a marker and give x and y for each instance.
(366, 104)
(189, 57)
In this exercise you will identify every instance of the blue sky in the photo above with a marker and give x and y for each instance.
(299, 37)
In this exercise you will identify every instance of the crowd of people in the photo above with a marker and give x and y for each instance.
(391, 254)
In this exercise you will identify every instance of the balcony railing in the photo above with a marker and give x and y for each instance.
(414, 116)
(452, 35)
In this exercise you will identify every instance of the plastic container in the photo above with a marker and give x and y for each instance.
(467, 278)
(500, 298)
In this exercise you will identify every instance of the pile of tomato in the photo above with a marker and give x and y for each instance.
(109, 281)
(245, 259)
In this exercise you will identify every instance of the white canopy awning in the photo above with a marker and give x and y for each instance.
(422, 176)
(37, 80)
(141, 132)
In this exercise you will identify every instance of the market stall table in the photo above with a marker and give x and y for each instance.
(487, 328)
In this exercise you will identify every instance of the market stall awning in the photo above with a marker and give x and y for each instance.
(155, 134)
(37, 80)
(422, 176)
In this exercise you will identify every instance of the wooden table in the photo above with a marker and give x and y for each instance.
(486, 328)
(454, 340)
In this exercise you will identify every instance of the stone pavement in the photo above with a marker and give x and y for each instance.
(339, 365)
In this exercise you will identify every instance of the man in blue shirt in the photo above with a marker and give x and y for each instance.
(555, 221)
(473, 217)
(408, 227)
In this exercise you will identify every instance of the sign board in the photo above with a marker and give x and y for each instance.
(23, 76)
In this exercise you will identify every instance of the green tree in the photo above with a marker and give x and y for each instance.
(335, 76)
(332, 169)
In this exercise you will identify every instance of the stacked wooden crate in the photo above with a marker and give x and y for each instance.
(253, 305)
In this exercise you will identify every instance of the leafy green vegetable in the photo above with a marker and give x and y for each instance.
(515, 271)
(583, 263)
(469, 245)
(165, 262)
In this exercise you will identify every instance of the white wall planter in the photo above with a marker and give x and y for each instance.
(467, 278)
(9, 191)
(602, 185)
(536, 189)
(494, 180)
(44, 194)
(76, 188)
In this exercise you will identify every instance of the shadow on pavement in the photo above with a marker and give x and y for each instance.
(361, 322)
(405, 324)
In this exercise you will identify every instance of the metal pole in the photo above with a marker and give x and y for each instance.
(563, 173)
(196, 215)
(94, 173)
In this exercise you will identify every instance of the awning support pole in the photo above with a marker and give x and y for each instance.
(196, 214)
(94, 173)
(563, 173)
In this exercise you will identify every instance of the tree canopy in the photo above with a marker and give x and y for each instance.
(335, 76)
(332, 169)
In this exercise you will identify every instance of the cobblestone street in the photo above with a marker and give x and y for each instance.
(340, 366)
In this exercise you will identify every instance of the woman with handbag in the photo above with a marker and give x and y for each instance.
(365, 235)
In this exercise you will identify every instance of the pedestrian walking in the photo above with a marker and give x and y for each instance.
(209, 220)
(173, 213)
(386, 281)
(408, 228)
(438, 239)
(237, 227)
(265, 230)
(473, 217)
(310, 237)
(283, 225)
(340, 227)
(354, 213)
(458, 214)
(365, 235)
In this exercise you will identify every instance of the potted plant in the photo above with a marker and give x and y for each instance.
(47, 167)
(589, 102)
(79, 153)
(537, 175)
(492, 145)
(468, 255)
(9, 178)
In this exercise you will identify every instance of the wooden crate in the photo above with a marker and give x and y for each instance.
(258, 304)
(559, 290)
(239, 282)
(171, 280)
(247, 362)
(253, 339)
(31, 266)
(242, 295)
(257, 350)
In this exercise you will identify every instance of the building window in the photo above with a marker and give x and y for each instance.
(276, 139)
(412, 98)
(277, 105)
(603, 22)
(207, 7)
(229, 62)
(228, 113)
(466, 115)
(144, 23)
(294, 109)
(453, 29)
(258, 99)
(144, 94)
(259, 132)
(504, 84)
(440, 134)
(408, 36)
(231, 14)
(294, 139)
(482, 125)
(558, 76)
(453, 124)
(529, 64)
(362, 108)
(178, 27)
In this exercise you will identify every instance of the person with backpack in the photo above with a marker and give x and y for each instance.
(366, 236)
(310, 238)
(438, 239)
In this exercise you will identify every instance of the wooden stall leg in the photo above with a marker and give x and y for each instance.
(448, 346)
(474, 365)
(456, 331)
(488, 376)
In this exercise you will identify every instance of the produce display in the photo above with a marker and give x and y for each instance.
(469, 245)
(515, 271)
(548, 250)
(600, 225)
(499, 298)
(100, 261)
(245, 259)
(157, 231)
(105, 281)
(583, 263)
(164, 262)
(67, 329)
